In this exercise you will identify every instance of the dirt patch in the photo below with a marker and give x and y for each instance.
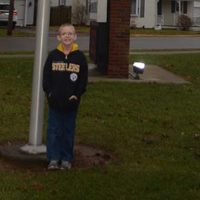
(12, 158)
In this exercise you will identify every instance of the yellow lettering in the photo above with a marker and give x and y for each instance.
(66, 67)
(73, 68)
(53, 66)
(77, 68)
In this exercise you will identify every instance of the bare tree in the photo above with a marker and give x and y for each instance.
(79, 15)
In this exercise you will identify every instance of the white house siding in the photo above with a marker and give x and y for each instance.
(196, 13)
(29, 12)
(25, 12)
(190, 9)
(149, 19)
(20, 7)
(150, 14)
(169, 18)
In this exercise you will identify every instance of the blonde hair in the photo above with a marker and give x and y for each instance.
(64, 25)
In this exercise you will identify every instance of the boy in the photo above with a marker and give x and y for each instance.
(64, 81)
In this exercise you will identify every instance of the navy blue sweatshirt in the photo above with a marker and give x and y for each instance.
(64, 76)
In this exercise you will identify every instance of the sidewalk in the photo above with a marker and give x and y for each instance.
(152, 73)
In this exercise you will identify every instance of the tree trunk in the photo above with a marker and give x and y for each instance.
(10, 18)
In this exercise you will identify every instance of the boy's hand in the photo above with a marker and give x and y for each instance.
(73, 97)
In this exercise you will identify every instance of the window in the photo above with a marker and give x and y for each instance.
(137, 7)
(142, 8)
(175, 6)
(134, 7)
(159, 11)
(173, 3)
(184, 7)
(4, 7)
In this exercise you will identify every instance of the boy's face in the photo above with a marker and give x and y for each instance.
(66, 35)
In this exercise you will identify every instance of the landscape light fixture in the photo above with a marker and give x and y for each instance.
(138, 68)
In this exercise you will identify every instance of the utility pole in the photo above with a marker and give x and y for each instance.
(10, 18)
(35, 145)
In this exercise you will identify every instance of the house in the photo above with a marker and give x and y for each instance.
(144, 13)
(27, 9)
(151, 13)
(25, 12)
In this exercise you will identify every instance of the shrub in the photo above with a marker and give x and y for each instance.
(184, 22)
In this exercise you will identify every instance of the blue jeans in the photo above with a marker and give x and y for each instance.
(60, 135)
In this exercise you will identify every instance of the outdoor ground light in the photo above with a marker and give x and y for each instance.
(138, 68)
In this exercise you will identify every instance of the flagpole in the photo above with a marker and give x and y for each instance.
(37, 104)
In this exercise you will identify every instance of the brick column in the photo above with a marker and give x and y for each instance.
(119, 37)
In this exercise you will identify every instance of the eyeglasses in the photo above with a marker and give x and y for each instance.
(67, 34)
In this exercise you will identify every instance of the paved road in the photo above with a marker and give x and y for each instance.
(136, 43)
(175, 42)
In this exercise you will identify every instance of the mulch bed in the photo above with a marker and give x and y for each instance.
(11, 158)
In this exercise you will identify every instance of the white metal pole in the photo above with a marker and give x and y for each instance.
(156, 13)
(37, 106)
(179, 9)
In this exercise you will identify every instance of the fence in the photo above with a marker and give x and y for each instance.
(60, 15)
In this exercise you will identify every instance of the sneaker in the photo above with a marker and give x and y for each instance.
(53, 165)
(65, 165)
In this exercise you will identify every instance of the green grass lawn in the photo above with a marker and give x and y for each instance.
(21, 32)
(153, 129)
(15, 33)
(86, 29)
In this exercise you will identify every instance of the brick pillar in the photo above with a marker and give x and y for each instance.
(119, 37)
